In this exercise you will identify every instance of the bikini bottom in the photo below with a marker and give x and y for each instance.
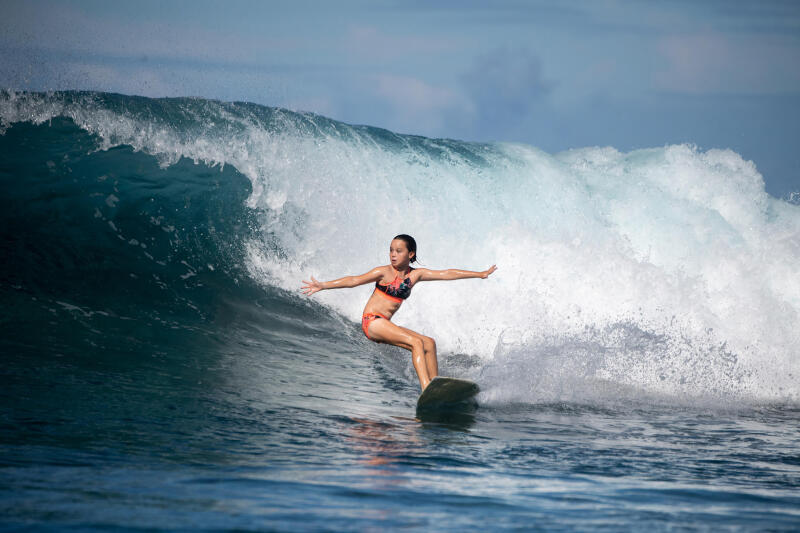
(366, 319)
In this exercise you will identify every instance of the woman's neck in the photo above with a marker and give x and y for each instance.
(402, 270)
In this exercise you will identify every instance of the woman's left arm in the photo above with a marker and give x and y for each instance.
(453, 273)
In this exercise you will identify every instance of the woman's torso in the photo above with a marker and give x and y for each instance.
(397, 286)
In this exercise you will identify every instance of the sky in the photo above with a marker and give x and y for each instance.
(552, 74)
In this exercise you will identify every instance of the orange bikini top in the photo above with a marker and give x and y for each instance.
(398, 290)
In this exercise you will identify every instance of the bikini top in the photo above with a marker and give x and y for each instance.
(397, 290)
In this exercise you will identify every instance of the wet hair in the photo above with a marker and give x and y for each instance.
(411, 244)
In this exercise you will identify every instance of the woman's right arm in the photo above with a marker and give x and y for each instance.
(346, 282)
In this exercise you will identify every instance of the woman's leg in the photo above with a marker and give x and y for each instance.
(382, 330)
(429, 347)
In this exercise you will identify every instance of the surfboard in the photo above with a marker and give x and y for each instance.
(444, 392)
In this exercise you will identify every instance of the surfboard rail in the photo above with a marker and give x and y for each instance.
(444, 391)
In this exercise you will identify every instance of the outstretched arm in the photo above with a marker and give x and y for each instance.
(453, 273)
(313, 286)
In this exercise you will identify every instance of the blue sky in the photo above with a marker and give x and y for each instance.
(557, 75)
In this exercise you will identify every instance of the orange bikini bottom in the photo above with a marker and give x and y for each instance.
(366, 319)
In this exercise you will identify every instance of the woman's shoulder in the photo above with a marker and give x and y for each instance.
(417, 273)
(385, 270)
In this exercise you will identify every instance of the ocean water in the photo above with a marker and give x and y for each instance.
(637, 349)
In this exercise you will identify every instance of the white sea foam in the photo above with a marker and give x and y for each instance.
(667, 271)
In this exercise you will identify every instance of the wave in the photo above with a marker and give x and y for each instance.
(666, 271)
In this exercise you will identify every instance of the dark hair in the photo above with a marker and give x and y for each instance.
(411, 244)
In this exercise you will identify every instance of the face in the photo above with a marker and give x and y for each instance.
(399, 254)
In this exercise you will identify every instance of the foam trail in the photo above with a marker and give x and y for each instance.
(666, 270)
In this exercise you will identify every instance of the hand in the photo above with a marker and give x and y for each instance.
(488, 272)
(311, 287)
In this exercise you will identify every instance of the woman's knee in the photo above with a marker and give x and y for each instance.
(428, 344)
(417, 343)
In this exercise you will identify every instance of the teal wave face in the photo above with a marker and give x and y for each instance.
(106, 253)
(112, 224)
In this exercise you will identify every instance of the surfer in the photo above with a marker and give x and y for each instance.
(393, 284)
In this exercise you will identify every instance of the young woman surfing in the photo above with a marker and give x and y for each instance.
(393, 284)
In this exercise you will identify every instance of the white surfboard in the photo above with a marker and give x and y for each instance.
(444, 392)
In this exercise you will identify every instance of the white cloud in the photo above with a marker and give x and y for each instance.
(710, 62)
(418, 106)
(370, 42)
(68, 29)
